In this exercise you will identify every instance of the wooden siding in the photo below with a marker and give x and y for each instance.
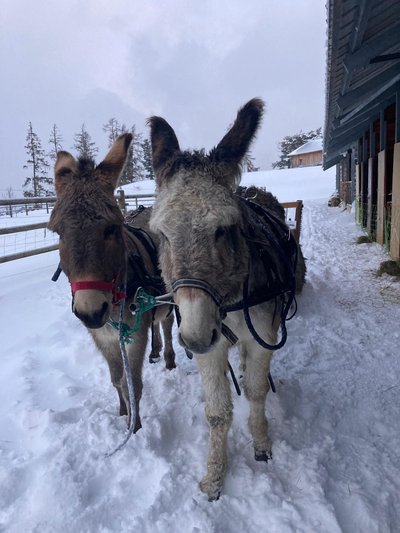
(311, 159)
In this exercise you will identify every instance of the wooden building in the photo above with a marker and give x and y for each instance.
(362, 120)
(307, 155)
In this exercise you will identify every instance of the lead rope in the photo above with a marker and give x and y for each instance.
(128, 377)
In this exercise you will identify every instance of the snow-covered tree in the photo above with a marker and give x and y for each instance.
(147, 160)
(135, 163)
(290, 143)
(55, 141)
(38, 183)
(84, 145)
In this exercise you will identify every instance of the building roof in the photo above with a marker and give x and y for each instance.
(363, 69)
(311, 146)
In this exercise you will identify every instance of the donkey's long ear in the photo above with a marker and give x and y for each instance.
(236, 142)
(164, 144)
(64, 168)
(109, 170)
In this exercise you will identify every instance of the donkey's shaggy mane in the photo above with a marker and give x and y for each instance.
(200, 162)
(86, 168)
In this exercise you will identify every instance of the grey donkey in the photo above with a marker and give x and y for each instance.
(208, 249)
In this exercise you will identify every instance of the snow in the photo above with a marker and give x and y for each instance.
(334, 420)
(292, 184)
(287, 184)
(315, 145)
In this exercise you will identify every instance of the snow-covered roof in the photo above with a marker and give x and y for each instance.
(310, 146)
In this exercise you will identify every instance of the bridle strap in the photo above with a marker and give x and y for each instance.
(198, 284)
(104, 286)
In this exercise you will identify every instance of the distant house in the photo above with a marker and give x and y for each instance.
(308, 155)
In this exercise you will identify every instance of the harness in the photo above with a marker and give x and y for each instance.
(120, 288)
(278, 239)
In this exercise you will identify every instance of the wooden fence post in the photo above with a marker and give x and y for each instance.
(121, 200)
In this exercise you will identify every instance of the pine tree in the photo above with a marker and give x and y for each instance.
(147, 160)
(113, 130)
(248, 163)
(55, 141)
(84, 145)
(133, 170)
(137, 157)
(38, 183)
(290, 143)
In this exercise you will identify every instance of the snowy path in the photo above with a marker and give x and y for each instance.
(334, 422)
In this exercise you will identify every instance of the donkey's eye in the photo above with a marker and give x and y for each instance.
(111, 231)
(220, 232)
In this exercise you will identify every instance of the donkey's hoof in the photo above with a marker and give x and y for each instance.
(138, 425)
(170, 366)
(211, 488)
(123, 411)
(262, 455)
(154, 359)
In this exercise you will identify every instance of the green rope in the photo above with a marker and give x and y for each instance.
(143, 303)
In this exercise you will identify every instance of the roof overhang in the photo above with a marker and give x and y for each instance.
(363, 69)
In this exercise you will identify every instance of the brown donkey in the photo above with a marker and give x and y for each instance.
(98, 252)
(230, 262)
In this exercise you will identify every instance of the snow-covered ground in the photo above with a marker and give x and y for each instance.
(334, 421)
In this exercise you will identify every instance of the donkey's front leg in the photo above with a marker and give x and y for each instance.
(256, 387)
(136, 352)
(219, 416)
(156, 343)
(169, 354)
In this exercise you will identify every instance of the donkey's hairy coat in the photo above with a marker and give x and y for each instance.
(203, 227)
(96, 247)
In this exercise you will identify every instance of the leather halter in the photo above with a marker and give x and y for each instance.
(104, 286)
(282, 241)
(198, 284)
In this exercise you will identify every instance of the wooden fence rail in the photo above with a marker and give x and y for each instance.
(123, 201)
(18, 229)
(47, 201)
(298, 206)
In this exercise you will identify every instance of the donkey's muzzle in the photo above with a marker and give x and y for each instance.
(94, 320)
(199, 346)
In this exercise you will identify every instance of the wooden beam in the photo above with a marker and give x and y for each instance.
(370, 87)
(382, 128)
(395, 223)
(381, 198)
(364, 9)
(361, 57)
(374, 98)
(358, 193)
(397, 127)
(370, 178)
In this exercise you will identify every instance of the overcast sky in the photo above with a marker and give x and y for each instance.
(194, 62)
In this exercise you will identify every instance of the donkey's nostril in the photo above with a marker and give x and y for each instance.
(197, 345)
(214, 337)
(94, 320)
